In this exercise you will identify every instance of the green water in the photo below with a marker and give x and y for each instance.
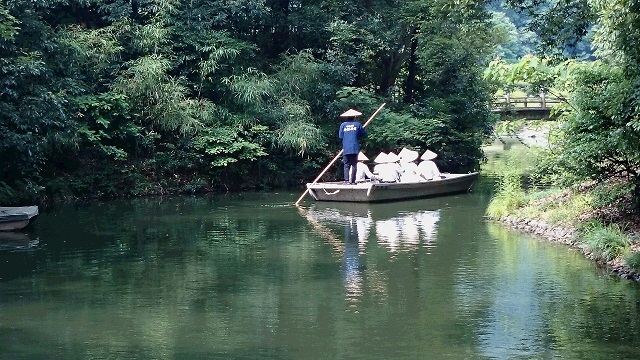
(250, 276)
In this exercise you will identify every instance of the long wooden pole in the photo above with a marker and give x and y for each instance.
(337, 156)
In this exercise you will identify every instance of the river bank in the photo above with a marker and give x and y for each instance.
(597, 219)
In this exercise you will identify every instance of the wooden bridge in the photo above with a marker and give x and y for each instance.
(528, 107)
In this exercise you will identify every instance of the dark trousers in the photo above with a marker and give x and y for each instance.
(350, 163)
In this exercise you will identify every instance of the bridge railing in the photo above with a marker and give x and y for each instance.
(525, 102)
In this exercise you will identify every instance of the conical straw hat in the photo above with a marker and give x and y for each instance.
(351, 113)
(428, 155)
(381, 158)
(362, 156)
(407, 155)
(392, 157)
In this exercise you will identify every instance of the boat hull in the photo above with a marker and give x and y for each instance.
(382, 192)
(16, 218)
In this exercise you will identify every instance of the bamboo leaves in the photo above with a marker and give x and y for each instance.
(252, 88)
(282, 101)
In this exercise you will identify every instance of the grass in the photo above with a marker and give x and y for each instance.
(571, 209)
(509, 195)
(606, 241)
(511, 198)
(505, 203)
(567, 209)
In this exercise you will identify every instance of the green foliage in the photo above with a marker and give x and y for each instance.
(228, 145)
(118, 98)
(451, 59)
(607, 242)
(607, 194)
(598, 137)
(508, 198)
(530, 74)
(396, 130)
(104, 126)
(617, 33)
(8, 25)
(633, 260)
(552, 205)
(284, 101)
(298, 135)
(598, 140)
(431, 66)
(160, 97)
(92, 50)
(33, 99)
(547, 172)
(566, 209)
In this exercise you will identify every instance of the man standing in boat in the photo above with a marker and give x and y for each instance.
(351, 131)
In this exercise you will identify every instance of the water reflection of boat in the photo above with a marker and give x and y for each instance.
(15, 218)
(356, 229)
(379, 192)
(12, 241)
(351, 266)
(393, 229)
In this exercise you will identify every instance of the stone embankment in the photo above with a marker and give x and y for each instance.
(568, 237)
(541, 228)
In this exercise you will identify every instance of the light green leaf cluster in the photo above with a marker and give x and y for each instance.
(93, 47)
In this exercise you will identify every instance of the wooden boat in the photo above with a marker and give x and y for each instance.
(16, 218)
(380, 192)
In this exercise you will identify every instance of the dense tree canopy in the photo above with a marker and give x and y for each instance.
(604, 121)
(127, 97)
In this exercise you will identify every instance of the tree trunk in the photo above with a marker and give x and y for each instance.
(636, 193)
(412, 69)
(280, 40)
(389, 68)
(134, 10)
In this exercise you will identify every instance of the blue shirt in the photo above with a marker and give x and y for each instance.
(350, 132)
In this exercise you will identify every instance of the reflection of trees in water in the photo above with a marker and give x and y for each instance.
(533, 297)
(17, 254)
